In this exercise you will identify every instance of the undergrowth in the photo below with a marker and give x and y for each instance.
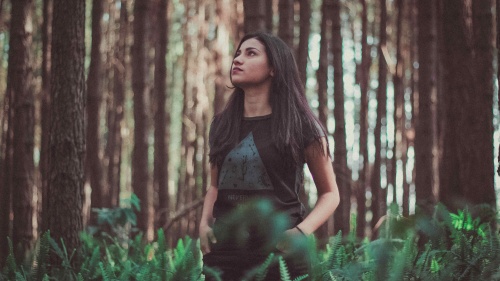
(446, 246)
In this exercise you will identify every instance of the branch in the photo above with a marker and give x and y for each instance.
(181, 213)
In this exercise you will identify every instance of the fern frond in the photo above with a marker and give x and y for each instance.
(284, 273)
(302, 277)
(40, 263)
(11, 261)
(213, 273)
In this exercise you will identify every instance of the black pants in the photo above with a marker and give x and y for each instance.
(234, 267)
(237, 258)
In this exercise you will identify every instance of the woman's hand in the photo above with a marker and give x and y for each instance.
(285, 244)
(206, 237)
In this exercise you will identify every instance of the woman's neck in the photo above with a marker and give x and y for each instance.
(257, 103)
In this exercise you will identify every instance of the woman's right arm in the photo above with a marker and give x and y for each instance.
(207, 219)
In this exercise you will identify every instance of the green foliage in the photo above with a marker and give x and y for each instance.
(445, 246)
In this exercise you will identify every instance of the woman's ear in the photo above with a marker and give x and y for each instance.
(272, 73)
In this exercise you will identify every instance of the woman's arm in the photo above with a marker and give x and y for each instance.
(321, 169)
(207, 219)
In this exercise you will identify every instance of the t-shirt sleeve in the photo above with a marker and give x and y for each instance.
(312, 132)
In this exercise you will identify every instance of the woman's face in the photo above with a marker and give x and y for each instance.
(250, 65)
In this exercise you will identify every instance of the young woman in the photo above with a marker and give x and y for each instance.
(258, 147)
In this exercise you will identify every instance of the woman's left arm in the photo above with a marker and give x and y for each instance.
(320, 166)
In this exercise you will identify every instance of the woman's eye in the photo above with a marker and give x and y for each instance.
(251, 53)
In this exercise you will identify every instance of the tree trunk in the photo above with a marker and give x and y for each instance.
(269, 15)
(398, 103)
(140, 177)
(425, 130)
(286, 23)
(467, 176)
(255, 15)
(478, 171)
(322, 77)
(363, 124)
(498, 63)
(378, 194)
(220, 51)
(6, 184)
(305, 31)
(115, 137)
(162, 120)
(67, 142)
(19, 80)
(186, 181)
(45, 107)
(343, 213)
(93, 163)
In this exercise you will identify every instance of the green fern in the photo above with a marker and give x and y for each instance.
(11, 262)
(104, 272)
(40, 264)
(260, 272)
(284, 273)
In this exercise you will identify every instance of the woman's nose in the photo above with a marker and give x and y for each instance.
(237, 60)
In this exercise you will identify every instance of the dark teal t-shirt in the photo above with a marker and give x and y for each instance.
(255, 168)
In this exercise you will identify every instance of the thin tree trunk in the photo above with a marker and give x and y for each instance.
(67, 142)
(363, 124)
(255, 15)
(45, 107)
(93, 163)
(119, 78)
(140, 177)
(220, 52)
(342, 215)
(286, 23)
(305, 30)
(20, 76)
(425, 124)
(162, 120)
(186, 181)
(269, 15)
(498, 64)
(322, 77)
(378, 194)
(398, 102)
(6, 169)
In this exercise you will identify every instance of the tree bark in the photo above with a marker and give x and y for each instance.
(255, 16)
(120, 68)
(305, 31)
(140, 177)
(378, 194)
(220, 51)
(363, 124)
(20, 79)
(286, 23)
(67, 142)
(466, 176)
(322, 77)
(162, 120)
(343, 213)
(477, 170)
(45, 107)
(498, 63)
(269, 15)
(93, 163)
(425, 130)
(6, 184)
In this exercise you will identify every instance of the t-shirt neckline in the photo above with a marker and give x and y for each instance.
(255, 118)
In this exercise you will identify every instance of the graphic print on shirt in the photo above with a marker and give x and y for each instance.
(243, 168)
